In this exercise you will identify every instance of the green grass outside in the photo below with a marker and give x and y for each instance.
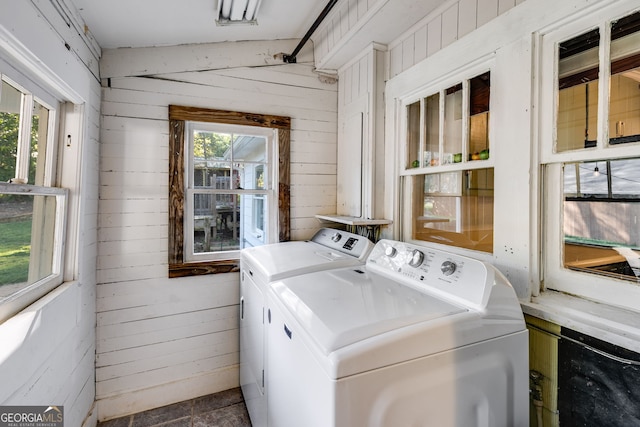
(15, 248)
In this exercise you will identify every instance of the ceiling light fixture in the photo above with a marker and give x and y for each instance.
(231, 12)
(596, 171)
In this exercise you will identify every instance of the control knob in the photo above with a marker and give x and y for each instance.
(336, 237)
(416, 258)
(390, 251)
(448, 268)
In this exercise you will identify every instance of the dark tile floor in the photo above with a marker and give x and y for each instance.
(224, 409)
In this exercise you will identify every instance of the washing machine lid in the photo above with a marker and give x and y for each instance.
(340, 307)
(286, 259)
(328, 248)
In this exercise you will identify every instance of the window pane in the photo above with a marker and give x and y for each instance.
(10, 101)
(252, 152)
(413, 135)
(254, 213)
(624, 103)
(227, 222)
(578, 92)
(216, 223)
(601, 210)
(479, 95)
(452, 124)
(432, 129)
(27, 227)
(454, 208)
(39, 127)
(249, 148)
(211, 160)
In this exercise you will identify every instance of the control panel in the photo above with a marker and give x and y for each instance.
(433, 270)
(343, 241)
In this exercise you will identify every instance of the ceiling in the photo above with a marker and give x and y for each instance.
(145, 23)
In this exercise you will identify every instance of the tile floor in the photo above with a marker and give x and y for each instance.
(224, 409)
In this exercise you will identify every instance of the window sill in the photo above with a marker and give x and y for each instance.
(615, 325)
(201, 268)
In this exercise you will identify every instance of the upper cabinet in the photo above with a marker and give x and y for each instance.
(361, 136)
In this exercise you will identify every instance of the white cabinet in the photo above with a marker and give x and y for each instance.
(360, 169)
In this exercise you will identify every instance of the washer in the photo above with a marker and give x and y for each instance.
(416, 337)
(261, 265)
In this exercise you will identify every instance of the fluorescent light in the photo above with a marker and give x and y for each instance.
(237, 12)
(252, 9)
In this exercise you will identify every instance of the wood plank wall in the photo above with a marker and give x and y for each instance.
(439, 29)
(47, 351)
(162, 340)
(446, 24)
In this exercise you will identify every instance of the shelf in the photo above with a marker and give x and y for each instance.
(352, 220)
(369, 228)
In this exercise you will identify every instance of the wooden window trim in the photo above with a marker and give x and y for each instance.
(178, 115)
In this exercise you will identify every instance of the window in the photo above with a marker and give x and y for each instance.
(447, 167)
(228, 187)
(32, 209)
(591, 159)
(223, 189)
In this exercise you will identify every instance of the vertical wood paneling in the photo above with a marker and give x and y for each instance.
(408, 52)
(362, 8)
(353, 13)
(468, 12)
(449, 26)
(420, 51)
(355, 80)
(365, 76)
(47, 351)
(434, 35)
(453, 20)
(345, 23)
(504, 5)
(395, 61)
(487, 10)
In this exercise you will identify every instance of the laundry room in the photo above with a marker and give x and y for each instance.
(282, 213)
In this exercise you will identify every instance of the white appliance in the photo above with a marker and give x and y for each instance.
(417, 337)
(260, 265)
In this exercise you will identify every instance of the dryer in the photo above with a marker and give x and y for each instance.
(260, 265)
(416, 337)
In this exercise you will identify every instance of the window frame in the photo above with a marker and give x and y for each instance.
(178, 116)
(553, 274)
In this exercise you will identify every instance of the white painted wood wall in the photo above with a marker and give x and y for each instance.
(47, 352)
(361, 135)
(349, 22)
(163, 340)
(450, 22)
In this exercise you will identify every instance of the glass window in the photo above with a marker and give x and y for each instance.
(591, 176)
(454, 208)
(578, 92)
(413, 135)
(601, 210)
(479, 96)
(452, 191)
(452, 125)
(230, 172)
(624, 96)
(229, 186)
(32, 211)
